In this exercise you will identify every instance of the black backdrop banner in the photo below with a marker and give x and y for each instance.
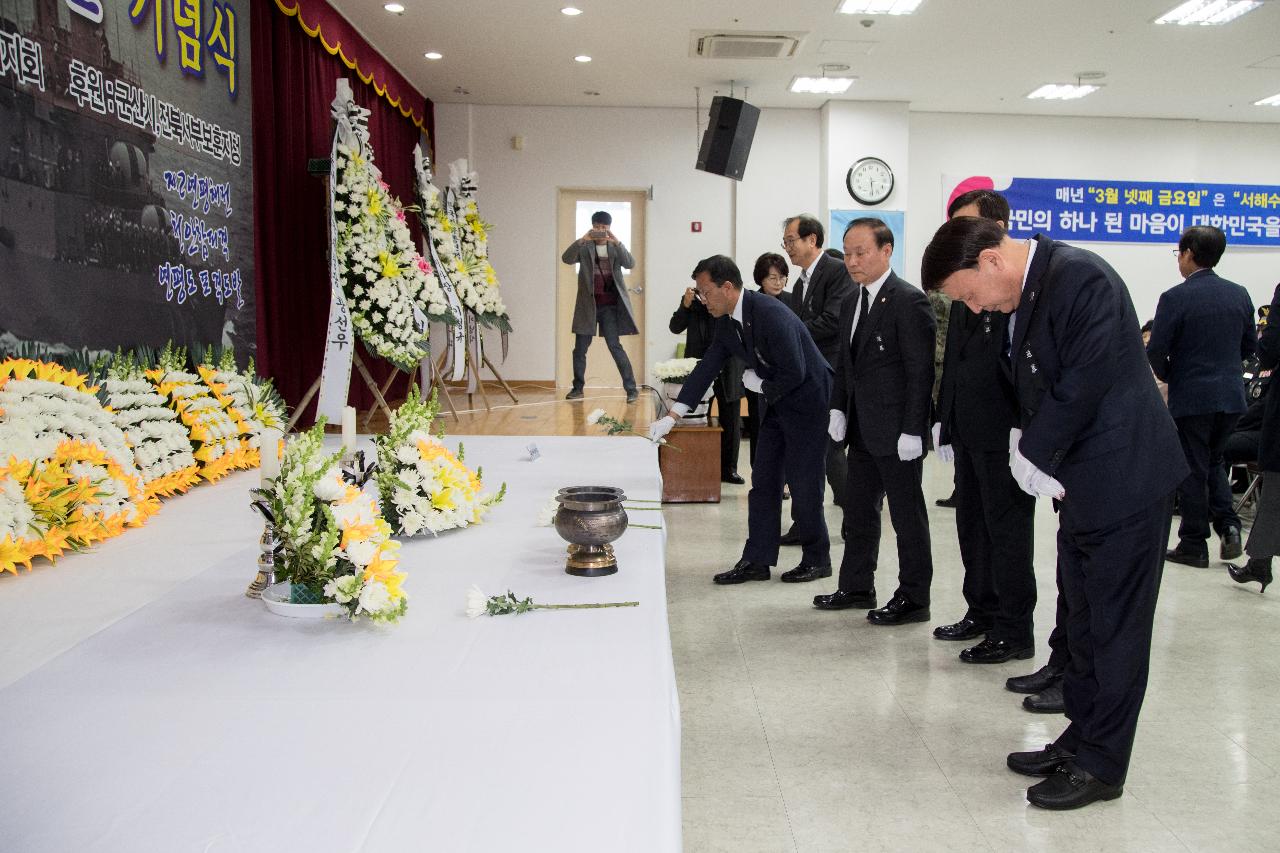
(126, 189)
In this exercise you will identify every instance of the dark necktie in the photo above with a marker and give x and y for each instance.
(863, 307)
(800, 293)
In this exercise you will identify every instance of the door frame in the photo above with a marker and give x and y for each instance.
(566, 205)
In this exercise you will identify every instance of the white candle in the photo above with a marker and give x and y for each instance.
(269, 448)
(349, 429)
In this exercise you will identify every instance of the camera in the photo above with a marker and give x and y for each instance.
(598, 234)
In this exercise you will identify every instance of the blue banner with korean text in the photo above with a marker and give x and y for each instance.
(1079, 210)
(126, 192)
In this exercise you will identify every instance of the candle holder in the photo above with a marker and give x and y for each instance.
(356, 470)
(269, 545)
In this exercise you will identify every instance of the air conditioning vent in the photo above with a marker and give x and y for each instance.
(744, 45)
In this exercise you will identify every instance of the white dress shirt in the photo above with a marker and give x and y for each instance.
(872, 289)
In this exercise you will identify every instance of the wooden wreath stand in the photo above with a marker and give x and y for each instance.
(471, 373)
(368, 380)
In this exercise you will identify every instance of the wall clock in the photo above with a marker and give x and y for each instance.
(870, 180)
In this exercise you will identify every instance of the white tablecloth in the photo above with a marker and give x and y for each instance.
(147, 705)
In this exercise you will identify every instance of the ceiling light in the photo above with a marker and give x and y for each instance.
(878, 7)
(1273, 101)
(1208, 11)
(571, 11)
(582, 58)
(431, 54)
(821, 85)
(394, 8)
(1062, 91)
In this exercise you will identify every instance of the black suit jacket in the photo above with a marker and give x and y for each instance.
(776, 345)
(1091, 416)
(889, 387)
(820, 302)
(1269, 359)
(1202, 332)
(697, 324)
(976, 403)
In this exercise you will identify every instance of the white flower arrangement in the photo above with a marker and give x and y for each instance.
(478, 283)
(161, 446)
(68, 476)
(383, 276)
(674, 369)
(424, 487)
(335, 544)
(216, 430)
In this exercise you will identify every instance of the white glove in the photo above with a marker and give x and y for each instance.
(945, 453)
(1031, 479)
(659, 428)
(752, 381)
(910, 447)
(838, 425)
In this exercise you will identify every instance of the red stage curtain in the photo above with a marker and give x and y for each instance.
(293, 85)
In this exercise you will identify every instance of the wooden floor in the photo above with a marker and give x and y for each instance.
(542, 410)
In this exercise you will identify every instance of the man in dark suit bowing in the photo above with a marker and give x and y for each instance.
(819, 292)
(1203, 331)
(994, 517)
(1096, 436)
(794, 381)
(883, 394)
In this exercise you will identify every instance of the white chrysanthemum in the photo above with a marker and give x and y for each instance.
(477, 602)
(374, 598)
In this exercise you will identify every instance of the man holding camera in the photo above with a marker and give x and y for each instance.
(603, 307)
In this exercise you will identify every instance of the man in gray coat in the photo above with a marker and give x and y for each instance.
(603, 303)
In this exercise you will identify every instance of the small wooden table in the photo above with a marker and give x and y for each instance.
(692, 473)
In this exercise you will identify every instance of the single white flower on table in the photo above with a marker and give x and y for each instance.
(477, 602)
(547, 513)
(595, 416)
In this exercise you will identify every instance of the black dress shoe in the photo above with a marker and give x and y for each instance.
(949, 503)
(1231, 547)
(1041, 762)
(1038, 681)
(741, 573)
(732, 477)
(899, 611)
(632, 396)
(1177, 555)
(841, 600)
(996, 651)
(1070, 788)
(1047, 701)
(790, 538)
(1257, 569)
(575, 394)
(805, 572)
(965, 629)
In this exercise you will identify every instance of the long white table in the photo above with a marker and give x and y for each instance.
(147, 705)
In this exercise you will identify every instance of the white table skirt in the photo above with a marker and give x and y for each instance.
(177, 715)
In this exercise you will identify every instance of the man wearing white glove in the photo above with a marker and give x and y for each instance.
(1097, 436)
(880, 406)
(794, 382)
(994, 517)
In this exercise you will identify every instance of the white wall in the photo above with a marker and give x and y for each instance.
(797, 163)
(624, 148)
(1131, 149)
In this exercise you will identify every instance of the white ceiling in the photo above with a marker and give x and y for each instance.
(950, 56)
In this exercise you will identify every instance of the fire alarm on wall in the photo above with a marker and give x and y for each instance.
(695, 227)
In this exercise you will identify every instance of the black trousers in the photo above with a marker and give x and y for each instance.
(730, 419)
(1204, 437)
(871, 479)
(607, 325)
(995, 526)
(790, 450)
(1110, 578)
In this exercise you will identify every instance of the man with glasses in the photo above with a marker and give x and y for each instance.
(817, 298)
(794, 381)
